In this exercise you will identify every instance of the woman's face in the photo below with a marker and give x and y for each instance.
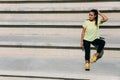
(91, 16)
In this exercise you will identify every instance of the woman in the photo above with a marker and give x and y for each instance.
(90, 35)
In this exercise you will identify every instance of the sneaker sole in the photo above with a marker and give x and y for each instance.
(93, 61)
(87, 69)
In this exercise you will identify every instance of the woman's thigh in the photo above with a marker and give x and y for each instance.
(98, 42)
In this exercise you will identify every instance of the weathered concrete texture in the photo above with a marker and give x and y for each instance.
(52, 37)
(60, 63)
(54, 19)
(60, 6)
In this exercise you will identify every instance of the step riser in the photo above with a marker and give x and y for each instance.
(60, 6)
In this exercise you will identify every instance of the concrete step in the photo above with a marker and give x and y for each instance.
(53, 19)
(19, 78)
(52, 37)
(50, 1)
(56, 64)
(7, 8)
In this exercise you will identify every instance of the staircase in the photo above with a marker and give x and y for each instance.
(34, 32)
(53, 24)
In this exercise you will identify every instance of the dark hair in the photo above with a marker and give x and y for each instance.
(96, 14)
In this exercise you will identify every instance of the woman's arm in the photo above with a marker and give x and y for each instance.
(104, 17)
(82, 36)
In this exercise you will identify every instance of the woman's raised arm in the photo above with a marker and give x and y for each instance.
(104, 17)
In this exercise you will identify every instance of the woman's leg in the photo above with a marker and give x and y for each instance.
(87, 55)
(101, 53)
(87, 51)
(101, 44)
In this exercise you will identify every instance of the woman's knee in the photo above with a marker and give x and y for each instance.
(103, 42)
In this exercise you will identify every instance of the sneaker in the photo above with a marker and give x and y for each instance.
(94, 59)
(87, 66)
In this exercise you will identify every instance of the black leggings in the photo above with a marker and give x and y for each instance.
(99, 42)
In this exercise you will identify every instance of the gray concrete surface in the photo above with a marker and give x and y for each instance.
(56, 63)
(18, 78)
(53, 37)
(60, 6)
(53, 19)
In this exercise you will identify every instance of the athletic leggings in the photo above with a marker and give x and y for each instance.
(99, 42)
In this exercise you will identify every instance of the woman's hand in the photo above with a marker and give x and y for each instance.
(104, 17)
(99, 12)
(81, 43)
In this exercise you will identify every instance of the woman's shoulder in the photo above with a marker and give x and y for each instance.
(85, 23)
